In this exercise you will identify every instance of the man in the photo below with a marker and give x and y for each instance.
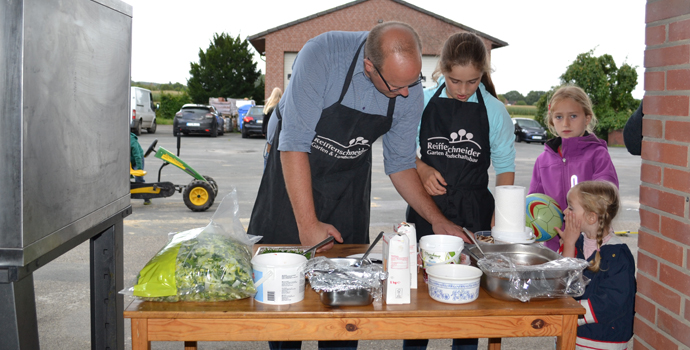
(318, 177)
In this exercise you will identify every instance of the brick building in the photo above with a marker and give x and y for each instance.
(663, 277)
(280, 45)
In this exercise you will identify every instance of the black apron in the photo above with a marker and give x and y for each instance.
(340, 162)
(454, 139)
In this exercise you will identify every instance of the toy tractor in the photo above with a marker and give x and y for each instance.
(198, 195)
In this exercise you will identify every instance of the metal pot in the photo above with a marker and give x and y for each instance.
(497, 283)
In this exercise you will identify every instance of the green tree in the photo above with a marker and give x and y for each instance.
(608, 86)
(513, 96)
(533, 96)
(171, 103)
(225, 69)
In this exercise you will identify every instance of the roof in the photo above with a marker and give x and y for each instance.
(259, 43)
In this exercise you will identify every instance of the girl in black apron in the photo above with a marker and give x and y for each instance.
(454, 141)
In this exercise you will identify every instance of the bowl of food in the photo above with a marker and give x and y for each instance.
(484, 237)
(286, 249)
(453, 284)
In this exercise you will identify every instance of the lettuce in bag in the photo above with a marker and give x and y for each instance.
(211, 263)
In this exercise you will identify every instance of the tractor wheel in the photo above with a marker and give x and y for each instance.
(198, 195)
(213, 184)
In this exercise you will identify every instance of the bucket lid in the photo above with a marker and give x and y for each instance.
(279, 260)
(441, 243)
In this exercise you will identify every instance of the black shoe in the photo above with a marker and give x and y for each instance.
(147, 201)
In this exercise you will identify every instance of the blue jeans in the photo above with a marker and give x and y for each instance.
(328, 345)
(458, 344)
(139, 178)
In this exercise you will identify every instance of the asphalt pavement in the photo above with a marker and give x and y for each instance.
(62, 286)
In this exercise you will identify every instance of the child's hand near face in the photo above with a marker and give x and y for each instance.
(570, 234)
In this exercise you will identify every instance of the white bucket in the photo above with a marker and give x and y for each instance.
(279, 278)
(440, 249)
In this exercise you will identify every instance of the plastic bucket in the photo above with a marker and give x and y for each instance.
(279, 278)
(439, 249)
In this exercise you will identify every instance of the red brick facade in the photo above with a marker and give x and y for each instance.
(663, 298)
(360, 16)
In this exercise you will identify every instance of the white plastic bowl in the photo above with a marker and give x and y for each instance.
(453, 284)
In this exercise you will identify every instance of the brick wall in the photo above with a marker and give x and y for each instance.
(663, 298)
(359, 17)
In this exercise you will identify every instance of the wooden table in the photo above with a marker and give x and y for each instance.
(423, 318)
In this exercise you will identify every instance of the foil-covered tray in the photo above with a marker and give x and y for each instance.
(352, 297)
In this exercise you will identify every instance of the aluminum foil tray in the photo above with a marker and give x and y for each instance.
(353, 297)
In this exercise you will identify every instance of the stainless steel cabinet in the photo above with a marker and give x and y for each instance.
(64, 144)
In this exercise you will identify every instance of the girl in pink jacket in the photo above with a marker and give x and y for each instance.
(575, 155)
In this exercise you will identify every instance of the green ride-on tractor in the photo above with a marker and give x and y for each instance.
(198, 195)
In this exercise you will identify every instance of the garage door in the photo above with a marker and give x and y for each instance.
(288, 60)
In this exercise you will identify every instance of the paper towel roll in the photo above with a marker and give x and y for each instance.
(510, 209)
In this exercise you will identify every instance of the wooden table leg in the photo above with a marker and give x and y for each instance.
(494, 343)
(140, 335)
(190, 345)
(566, 341)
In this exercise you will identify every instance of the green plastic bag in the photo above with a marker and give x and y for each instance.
(211, 263)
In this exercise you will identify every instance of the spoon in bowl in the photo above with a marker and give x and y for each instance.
(469, 234)
(318, 245)
(376, 240)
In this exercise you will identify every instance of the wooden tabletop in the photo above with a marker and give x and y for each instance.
(311, 307)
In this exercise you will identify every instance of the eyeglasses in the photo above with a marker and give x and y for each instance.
(419, 80)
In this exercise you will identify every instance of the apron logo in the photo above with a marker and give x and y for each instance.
(356, 147)
(451, 148)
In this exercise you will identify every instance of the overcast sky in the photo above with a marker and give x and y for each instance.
(543, 36)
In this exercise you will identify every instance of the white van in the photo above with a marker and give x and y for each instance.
(143, 112)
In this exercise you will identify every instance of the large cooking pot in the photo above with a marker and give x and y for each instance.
(527, 278)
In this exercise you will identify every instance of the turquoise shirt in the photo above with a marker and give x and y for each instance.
(501, 129)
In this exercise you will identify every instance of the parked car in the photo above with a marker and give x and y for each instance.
(198, 119)
(241, 112)
(143, 111)
(253, 121)
(529, 130)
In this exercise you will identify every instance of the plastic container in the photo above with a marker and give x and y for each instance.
(440, 249)
(279, 278)
(454, 284)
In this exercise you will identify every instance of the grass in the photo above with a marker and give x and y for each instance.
(164, 121)
(522, 110)
(522, 116)
(157, 94)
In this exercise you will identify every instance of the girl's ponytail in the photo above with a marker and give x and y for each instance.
(489, 84)
(600, 198)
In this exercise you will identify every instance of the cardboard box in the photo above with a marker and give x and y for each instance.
(411, 232)
(396, 261)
